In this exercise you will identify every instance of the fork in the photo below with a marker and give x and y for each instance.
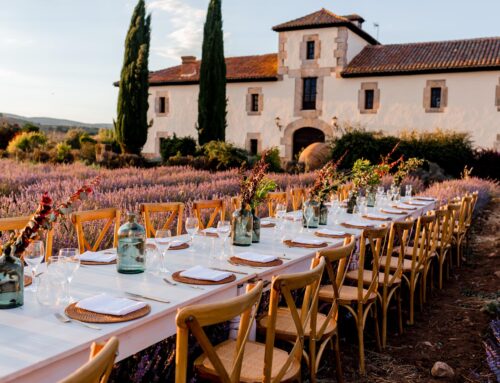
(64, 319)
(175, 284)
(135, 295)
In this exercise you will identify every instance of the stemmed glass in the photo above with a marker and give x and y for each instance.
(33, 257)
(308, 215)
(223, 231)
(163, 239)
(71, 261)
(408, 191)
(280, 214)
(192, 226)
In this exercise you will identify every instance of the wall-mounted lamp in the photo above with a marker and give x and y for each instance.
(335, 123)
(278, 123)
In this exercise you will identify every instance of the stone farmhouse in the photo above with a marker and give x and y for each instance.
(329, 71)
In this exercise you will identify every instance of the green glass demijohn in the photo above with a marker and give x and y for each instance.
(131, 250)
(11, 282)
(242, 230)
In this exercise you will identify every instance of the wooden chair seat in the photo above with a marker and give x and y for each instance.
(409, 253)
(347, 294)
(394, 264)
(367, 277)
(253, 362)
(285, 328)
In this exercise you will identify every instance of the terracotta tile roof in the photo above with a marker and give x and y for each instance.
(238, 69)
(323, 19)
(354, 17)
(428, 57)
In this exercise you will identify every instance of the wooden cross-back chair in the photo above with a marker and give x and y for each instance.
(16, 224)
(291, 323)
(460, 228)
(336, 261)
(391, 266)
(441, 243)
(343, 191)
(111, 216)
(363, 296)
(230, 361)
(235, 203)
(215, 205)
(99, 366)
(274, 198)
(298, 195)
(456, 241)
(175, 210)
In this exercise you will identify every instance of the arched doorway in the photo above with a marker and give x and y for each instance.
(304, 137)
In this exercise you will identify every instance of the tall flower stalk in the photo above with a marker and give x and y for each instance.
(255, 187)
(327, 180)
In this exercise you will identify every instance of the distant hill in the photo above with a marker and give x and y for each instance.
(48, 122)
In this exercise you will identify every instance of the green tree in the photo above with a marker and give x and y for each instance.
(212, 96)
(131, 125)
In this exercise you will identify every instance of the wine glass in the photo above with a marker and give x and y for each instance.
(163, 239)
(192, 226)
(223, 231)
(71, 260)
(33, 257)
(308, 215)
(380, 190)
(408, 191)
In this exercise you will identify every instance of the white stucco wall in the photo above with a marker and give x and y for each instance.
(355, 44)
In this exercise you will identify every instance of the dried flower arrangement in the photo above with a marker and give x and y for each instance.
(327, 180)
(255, 186)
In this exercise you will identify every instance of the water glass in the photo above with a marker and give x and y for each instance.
(380, 190)
(71, 260)
(33, 257)
(223, 231)
(192, 226)
(52, 289)
(408, 191)
(308, 212)
(163, 239)
(153, 260)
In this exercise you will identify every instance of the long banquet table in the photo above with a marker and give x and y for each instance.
(36, 347)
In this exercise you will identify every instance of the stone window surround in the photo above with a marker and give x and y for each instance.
(362, 94)
(159, 94)
(317, 50)
(250, 92)
(158, 137)
(340, 53)
(282, 54)
(497, 96)
(427, 96)
(299, 75)
(254, 136)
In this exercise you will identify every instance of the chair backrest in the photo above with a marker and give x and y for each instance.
(336, 261)
(441, 236)
(215, 205)
(172, 209)
(399, 235)
(282, 287)
(375, 238)
(194, 318)
(454, 209)
(111, 216)
(343, 191)
(422, 241)
(472, 205)
(235, 203)
(298, 195)
(99, 366)
(464, 212)
(274, 198)
(16, 224)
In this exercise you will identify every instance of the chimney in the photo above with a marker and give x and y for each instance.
(188, 67)
(357, 20)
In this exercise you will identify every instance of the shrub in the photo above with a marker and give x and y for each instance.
(174, 146)
(40, 155)
(75, 137)
(223, 155)
(107, 137)
(486, 164)
(274, 160)
(26, 142)
(62, 153)
(7, 133)
(450, 150)
(29, 128)
(87, 152)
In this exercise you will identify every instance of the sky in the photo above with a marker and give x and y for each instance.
(59, 58)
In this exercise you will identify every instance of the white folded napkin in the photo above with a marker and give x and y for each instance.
(254, 257)
(359, 224)
(265, 222)
(413, 202)
(393, 211)
(98, 256)
(210, 230)
(178, 242)
(200, 272)
(294, 215)
(107, 304)
(307, 241)
(377, 215)
(330, 232)
(405, 207)
(425, 198)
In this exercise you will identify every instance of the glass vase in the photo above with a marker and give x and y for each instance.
(323, 214)
(255, 228)
(370, 196)
(131, 252)
(311, 210)
(351, 202)
(11, 282)
(242, 230)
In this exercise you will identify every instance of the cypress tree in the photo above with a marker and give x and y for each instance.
(131, 125)
(212, 96)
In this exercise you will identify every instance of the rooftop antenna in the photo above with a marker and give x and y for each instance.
(377, 26)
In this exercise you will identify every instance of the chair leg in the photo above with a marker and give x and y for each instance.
(312, 360)
(377, 330)
(441, 261)
(338, 363)
(361, 346)
(384, 306)
(412, 302)
(400, 312)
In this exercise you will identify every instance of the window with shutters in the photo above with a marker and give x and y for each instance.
(369, 98)
(309, 93)
(310, 50)
(435, 96)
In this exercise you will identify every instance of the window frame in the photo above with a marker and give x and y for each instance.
(310, 50)
(254, 144)
(309, 93)
(429, 98)
(436, 97)
(254, 102)
(162, 105)
(369, 101)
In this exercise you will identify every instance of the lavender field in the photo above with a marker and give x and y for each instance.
(22, 184)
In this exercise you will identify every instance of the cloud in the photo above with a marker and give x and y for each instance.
(187, 23)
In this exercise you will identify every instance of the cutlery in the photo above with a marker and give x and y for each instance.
(229, 271)
(64, 319)
(175, 284)
(285, 258)
(146, 297)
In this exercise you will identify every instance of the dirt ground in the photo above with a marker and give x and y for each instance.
(451, 328)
